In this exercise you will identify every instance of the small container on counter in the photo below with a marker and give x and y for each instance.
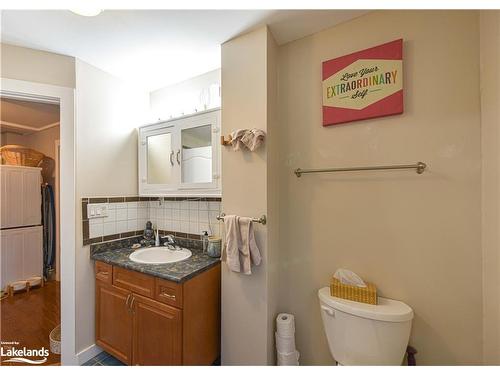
(214, 246)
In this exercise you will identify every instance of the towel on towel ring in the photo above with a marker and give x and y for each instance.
(241, 249)
(251, 139)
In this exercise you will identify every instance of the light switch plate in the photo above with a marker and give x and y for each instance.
(95, 210)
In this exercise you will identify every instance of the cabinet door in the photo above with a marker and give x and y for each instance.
(21, 197)
(21, 254)
(157, 166)
(11, 256)
(199, 153)
(113, 320)
(32, 251)
(32, 197)
(157, 333)
(12, 197)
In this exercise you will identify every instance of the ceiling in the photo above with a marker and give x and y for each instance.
(24, 117)
(155, 48)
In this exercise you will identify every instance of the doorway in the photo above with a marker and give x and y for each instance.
(56, 298)
(30, 286)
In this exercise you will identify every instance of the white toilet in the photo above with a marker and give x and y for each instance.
(362, 334)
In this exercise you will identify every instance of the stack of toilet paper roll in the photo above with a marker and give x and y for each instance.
(285, 340)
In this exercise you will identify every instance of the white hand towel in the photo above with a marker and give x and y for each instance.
(236, 138)
(249, 252)
(241, 248)
(252, 139)
(233, 242)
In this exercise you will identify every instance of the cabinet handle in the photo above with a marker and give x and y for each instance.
(177, 157)
(126, 302)
(171, 158)
(103, 273)
(171, 296)
(132, 305)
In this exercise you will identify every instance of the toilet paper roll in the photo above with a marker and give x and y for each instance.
(288, 359)
(285, 324)
(285, 344)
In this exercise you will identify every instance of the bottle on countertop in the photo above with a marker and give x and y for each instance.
(204, 238)
(157, 237)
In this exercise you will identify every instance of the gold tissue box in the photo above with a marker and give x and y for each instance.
(367, 294)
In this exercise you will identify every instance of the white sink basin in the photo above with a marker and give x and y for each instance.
(159, 255)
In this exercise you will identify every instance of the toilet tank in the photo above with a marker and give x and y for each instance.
(361, 334)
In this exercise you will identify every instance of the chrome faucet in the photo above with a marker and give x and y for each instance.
(170, 241)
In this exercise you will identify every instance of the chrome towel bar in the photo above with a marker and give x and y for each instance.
(261, 220)
(419, 167)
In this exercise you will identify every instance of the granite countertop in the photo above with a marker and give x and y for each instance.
(118, 253)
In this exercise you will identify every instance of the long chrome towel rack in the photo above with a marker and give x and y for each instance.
(261, 220)
(419, 167)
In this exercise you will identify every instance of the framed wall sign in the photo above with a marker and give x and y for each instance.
(364, 84)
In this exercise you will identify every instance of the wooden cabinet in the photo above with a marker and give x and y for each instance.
(21, 197)
(104, 272)
(143, 320)
(113, 320)
(157, 333)
(137, 282)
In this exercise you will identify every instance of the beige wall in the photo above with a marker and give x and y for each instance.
(273, 184)
(107, 113)
(42, 141)
(490, 128)
(28, 64)
(245, 299)
(417, 237)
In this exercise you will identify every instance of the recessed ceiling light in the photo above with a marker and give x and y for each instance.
(87, 12)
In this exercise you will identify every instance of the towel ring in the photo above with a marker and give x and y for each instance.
(261, 220)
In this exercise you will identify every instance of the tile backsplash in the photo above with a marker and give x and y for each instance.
(127, 217)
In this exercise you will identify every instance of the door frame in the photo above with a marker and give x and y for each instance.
(57, 153)
(65, 97)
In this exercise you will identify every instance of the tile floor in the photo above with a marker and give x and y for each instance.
(103, 359)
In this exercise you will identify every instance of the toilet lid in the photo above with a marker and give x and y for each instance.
(388, 310)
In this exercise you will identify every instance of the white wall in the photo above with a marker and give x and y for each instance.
(187, 96)
(107, 113)
(490, 124)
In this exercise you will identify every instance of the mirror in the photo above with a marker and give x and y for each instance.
(159, 158)
(197, 154)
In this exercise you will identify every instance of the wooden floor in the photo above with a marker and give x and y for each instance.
(28, 318)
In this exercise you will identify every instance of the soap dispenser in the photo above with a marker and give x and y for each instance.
(204, 238)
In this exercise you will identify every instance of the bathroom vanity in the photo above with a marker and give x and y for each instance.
(157, 314)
